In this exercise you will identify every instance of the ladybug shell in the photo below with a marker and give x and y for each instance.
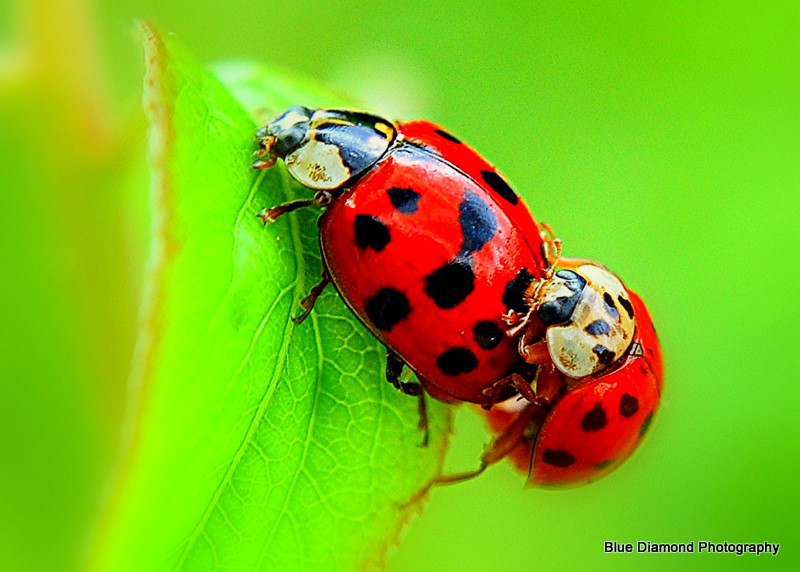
(458, 153)
(597, 424)
(428, 260)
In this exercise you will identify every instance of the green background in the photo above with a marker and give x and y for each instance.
(662, 139)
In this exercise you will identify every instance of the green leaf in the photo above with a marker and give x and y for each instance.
(254, 443)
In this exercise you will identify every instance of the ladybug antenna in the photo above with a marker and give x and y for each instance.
(551, 248)
(551, 252)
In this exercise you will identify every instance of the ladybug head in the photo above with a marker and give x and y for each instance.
(324, 148)
(283, 134)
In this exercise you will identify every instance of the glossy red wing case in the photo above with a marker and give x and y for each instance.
(429, 261)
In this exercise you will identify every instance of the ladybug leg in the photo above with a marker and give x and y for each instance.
(536, 352)
(512, 318)
(545, 386)
(511, 436)
(515, 321)
(542, 390)
(548, 384)
(502, 445)
(394, 368)
(422, 425)
(308, 302)
(518, 382)
(320, 199)
(272, 213)
(526, 389)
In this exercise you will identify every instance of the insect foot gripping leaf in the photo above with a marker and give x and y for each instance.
(255, 444)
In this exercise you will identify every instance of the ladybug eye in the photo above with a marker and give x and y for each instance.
(288, 130)
(289, 139)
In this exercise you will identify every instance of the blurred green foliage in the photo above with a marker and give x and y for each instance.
(658, 138)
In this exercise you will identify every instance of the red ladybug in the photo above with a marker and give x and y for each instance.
(423, 239)
(593, 426)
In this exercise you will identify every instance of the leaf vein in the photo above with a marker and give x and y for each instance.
(313, 413)
(247, 441)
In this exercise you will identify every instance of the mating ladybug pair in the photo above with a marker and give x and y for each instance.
(441, 260)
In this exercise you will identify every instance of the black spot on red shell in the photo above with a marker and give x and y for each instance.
(625, 303)
(557, 458)
(500, 186)
(386, 308)
(371, 233)
(514, 293)
(449, 136)
(628, 405)
(611, 306)
(603, 465)
(643, 370)
(598, 328)
(487, 334)
(645, 425)
(450, 284)
(604, 355)
(595, 419)
(456, 361)
(478, 222)
(404, 200)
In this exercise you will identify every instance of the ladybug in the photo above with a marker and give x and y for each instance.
(598, 378)
(594, 426)
(423, 239)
